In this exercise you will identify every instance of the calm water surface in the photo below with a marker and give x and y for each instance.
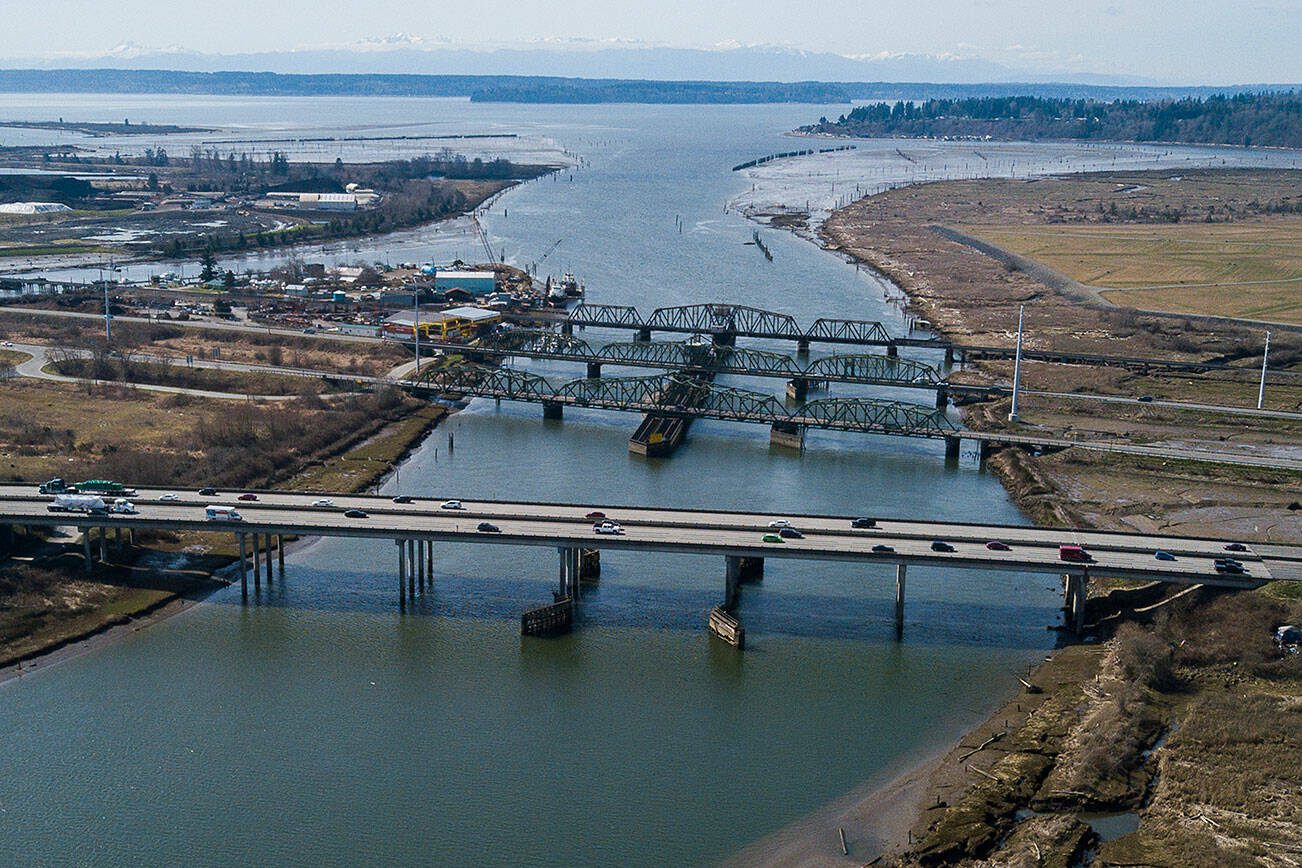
(321, 726)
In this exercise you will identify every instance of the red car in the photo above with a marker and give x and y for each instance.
(996, 546)
(1074, 553)
(248, 497)
(592, 516)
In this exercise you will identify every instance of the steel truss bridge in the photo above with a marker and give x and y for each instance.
(700, 355)
(726, 322)
(690, 397)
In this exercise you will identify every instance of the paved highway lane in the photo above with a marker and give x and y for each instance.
(562, 525)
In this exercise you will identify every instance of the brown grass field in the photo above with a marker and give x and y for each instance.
(1249, 271)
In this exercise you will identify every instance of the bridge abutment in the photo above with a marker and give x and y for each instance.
(553, 410)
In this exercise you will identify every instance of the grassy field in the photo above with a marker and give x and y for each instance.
(1246, 270)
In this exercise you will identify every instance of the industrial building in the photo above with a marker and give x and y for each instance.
(457, 323)
(477, 283)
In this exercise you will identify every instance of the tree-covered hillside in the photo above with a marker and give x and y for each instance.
(1270, 119)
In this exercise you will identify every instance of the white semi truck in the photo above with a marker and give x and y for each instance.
(91, 504)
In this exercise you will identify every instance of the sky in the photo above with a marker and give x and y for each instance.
(1172, 41)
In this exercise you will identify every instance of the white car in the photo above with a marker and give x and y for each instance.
(451, 504)
(9, 343)
(323, 501)
(169, 496)
(608, 527)
(780, 522)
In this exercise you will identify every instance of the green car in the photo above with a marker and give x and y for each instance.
(772, 537)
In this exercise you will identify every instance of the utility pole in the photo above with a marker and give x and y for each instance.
(108, 315)
(1017, 364)
(1265, 357)
(415, 326)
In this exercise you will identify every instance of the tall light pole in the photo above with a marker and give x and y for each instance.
(415, 326)
(1017, 364)
(108, 314)
(1265, 357)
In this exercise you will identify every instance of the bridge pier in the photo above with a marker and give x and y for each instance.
(952, 446)
(257, 567)
(949, 356)
(589, 565)
(103, 545)
(411, 568)
(280, 554)
(900, 572)
(802, 347)
(787, 435)
(570, 561)
(402, 573)
(643, 336)
(892, 351)
(1075, 591)
(594, 370)
(244, 566)
(723, 339)
(429, 563)
(567, 328)
(266, 542)
(553, 410)
(942, 397)
(798, 389)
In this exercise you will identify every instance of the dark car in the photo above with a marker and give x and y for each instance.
(790, 533)
(996, 546)
(595, 515)
(883, 549)
(940, 545)
(1229, 565)
(488, 527)
(248, 497)
(1145, 399)
(207, 492)
(1236, 547)
(355, 513)
(402, 498)
(864, 522)
(1163, 555)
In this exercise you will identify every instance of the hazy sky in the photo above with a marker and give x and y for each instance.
(1193, 41)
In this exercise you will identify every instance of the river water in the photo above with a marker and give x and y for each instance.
(321, 725)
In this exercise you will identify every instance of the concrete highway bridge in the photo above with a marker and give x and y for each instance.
(738, 537)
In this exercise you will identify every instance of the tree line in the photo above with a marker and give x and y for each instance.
(1268, 119)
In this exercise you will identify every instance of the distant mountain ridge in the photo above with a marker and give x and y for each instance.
(547, 89)
(656, 63)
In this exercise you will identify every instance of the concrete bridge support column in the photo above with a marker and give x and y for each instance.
(402, 573)
(589, 565)
(244, 566)
(553, 410)
(85, 548)
(942, 398)
(103, 545)
(949, 356)
(567, 328)
(257, 567)
(900, 572)
(892, 351)
(117, 540)
(6, 538)
(411, 569)
(751, 570)
(787, 435)
(802, 347)
(1075, 590)
(569, 572)
(594, 370)
(643, 336)
(419, 557)
(429, 564)
(798, 389)
(280, 554)
(266, 541)
(731, 582)
(952, 446)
